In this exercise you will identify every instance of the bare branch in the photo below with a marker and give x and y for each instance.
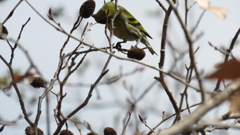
(191, 52)
(188, 123)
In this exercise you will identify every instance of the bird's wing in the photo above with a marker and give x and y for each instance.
(134, 22)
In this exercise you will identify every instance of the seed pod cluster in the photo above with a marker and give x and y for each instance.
(37, 82)
(109, 131)
(30, 131)
(66, 132)
(91, 133)
(87, 8)
(136, 53)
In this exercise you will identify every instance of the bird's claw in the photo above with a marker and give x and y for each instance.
(118, 46)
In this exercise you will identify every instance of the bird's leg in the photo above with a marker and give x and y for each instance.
(118, 45)
(137, 42)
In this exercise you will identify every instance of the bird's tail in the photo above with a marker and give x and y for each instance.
(145, 42)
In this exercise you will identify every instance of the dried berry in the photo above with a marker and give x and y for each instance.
(3, 30)
(66, 132)
(87, 8)
(109, 131)
(136, 53)
(30, 131)
(37, 82)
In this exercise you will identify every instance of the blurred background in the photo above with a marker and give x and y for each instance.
(110, 102)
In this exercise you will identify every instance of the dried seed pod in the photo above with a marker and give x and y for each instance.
(36, 82)
(30, 131)
(91, 133)
(136, 53)
(66, 132)
(87, 8)
(109, 131)
(3, 30)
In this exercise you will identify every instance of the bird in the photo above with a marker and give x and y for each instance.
(125, 25)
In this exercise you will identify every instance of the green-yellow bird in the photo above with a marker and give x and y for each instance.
(126, 26)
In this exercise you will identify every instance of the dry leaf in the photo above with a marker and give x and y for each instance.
(227, 70)
(218, 11)
(203, 3)
(19, 78)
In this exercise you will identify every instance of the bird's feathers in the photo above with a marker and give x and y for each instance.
(126, 26)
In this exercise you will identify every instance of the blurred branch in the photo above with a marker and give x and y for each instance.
(16, 43)
(130, 111)
(198, 22)
(145, 123)
(13, 83)
(164, 118)
(191, 52)
(144, 93)
(57, 28)
(62, 83)
(218, 123)
(161, 5)
(216, 48)
(186, 12)
(17, 91)
(161, 79)
(71, 68)
(109, 80)
(185, 93)
(188, 123)
(75, 26)
(34, 66)
(11, 13)
(229, 50)
(103, 73)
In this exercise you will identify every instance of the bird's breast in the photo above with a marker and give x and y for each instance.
(122, 31)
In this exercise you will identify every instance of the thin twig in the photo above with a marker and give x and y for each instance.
(185, 94)
(161, 79)
(104, 72)
(11, 13)
(229, 50)
(198, 22)
(161, 5)
(16, 43)
(166, 118)
(46, 20)
(18, 92)
(188, 123)
(219, 50)
(191, 52)
(128, 119)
